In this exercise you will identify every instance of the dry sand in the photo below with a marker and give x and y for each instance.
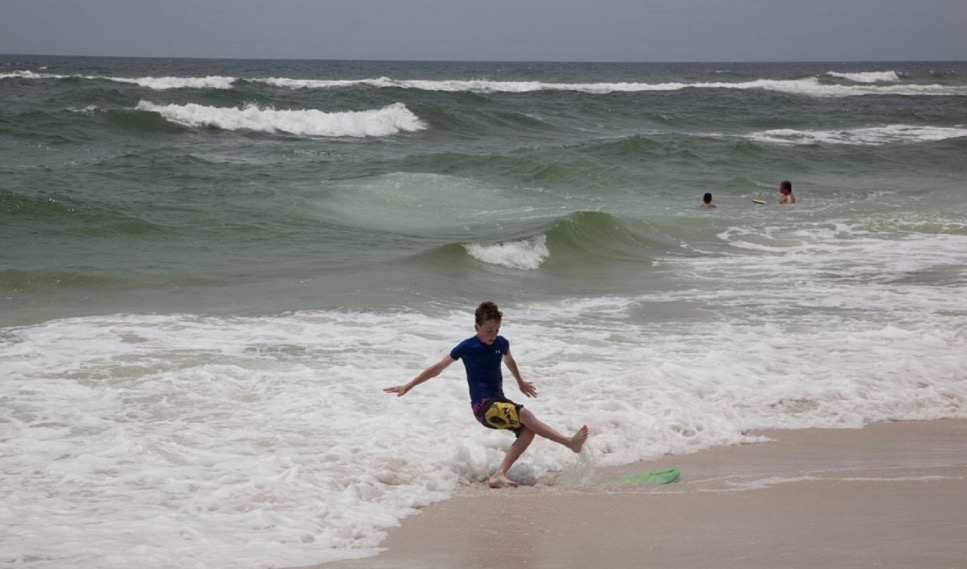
(888, 496)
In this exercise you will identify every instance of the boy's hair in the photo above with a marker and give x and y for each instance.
(785, 185)
(707, 197)
(487, 311)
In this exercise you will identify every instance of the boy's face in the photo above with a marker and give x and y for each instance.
(487, 332)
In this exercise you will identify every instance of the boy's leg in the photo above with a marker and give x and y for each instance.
(499, 478)
(539, 428)
(533, 426)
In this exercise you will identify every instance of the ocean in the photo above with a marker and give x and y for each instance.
(211, 269)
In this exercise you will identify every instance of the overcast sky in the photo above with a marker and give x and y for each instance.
(513, 30)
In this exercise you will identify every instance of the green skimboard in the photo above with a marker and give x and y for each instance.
(657, 477)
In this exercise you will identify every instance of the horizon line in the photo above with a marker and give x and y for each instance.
(582, 61)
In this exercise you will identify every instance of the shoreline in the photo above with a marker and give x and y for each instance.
(889, 495)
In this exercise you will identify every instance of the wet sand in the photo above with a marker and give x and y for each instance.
(888, 496)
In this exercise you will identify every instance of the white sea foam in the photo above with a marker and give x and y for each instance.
(527, 254)
(29, 75)
(867, 76)
(165, 83)
(387, 121)
(472, 86)
(870, 136)
(88, 110)
(292, 83)
(838, 254)
(267, 441)
(814, 88)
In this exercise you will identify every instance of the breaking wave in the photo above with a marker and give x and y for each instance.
(387, 121)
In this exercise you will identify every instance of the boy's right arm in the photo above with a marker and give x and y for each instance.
(430, 372)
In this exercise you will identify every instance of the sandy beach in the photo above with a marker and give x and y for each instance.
(890, 496)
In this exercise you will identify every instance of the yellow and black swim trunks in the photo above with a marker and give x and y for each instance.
(498, 414)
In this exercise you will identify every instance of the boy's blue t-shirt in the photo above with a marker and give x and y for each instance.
(482, 362)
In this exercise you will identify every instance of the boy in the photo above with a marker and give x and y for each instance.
(707, 201)
(785, 192)
(482, 355)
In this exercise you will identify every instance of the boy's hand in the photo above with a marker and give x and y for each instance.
(399, 390)
(527, 388)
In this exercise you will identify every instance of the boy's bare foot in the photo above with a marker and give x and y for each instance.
(501, 481)
(578, 440)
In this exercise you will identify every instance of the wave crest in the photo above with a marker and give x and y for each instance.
(865, 83)
(390, 120)
(867, 76)
(528, 254)
(810, 86)
(166, 83)
(871, 136)
(580, 235)
(155, 83)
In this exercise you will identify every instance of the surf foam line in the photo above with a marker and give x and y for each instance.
(867, 76)
(808, 86)
(870, 136)
(387, 121)
(155, 83)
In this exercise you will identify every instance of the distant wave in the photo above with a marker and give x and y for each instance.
(871, 136)
(156, 83)
(387, 121)
(164, 83)
(810, 86)
(867, 76)
(30, 75)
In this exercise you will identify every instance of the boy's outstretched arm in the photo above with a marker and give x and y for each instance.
(430, 372)
(526, 387)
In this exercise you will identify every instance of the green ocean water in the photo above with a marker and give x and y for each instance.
(252, 186)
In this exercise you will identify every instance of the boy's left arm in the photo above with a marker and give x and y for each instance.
(526, 387)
